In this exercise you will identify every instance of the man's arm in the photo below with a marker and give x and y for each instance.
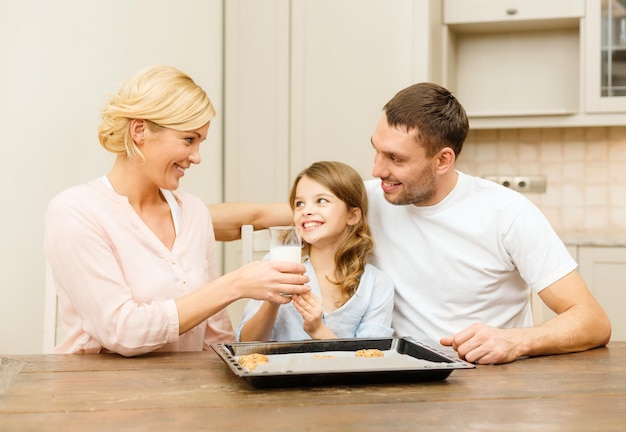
(229, 217)
(580, 324)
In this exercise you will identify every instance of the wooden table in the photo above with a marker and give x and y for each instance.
(196, 391)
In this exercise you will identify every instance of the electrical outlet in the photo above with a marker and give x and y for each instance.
(521, 183)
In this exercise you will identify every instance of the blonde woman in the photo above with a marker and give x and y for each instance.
(349, 297)
(133, 258)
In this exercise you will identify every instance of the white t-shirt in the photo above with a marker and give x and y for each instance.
(471, 258)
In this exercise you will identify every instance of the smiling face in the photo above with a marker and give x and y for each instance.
(321, 216)
(408, 175)
(168, 153)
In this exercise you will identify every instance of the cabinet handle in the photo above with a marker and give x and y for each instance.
(511, 11)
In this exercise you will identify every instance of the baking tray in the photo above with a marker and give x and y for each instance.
(299, 363)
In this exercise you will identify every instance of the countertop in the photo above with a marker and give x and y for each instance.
(594, 238)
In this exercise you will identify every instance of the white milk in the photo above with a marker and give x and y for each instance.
(286, 253)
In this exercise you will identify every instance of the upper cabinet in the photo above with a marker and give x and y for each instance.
(531, 63)
(606, 52)
(510, 13)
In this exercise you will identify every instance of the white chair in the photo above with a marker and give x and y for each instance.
(50, 324)
(254, 244)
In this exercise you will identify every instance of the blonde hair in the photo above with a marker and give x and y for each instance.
(160, 94)
(355, 248)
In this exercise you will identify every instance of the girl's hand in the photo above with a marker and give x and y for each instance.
(311, 309)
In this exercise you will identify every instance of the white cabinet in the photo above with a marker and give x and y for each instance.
(501, 58)
(348, 58)
(604, 271)
(605, 43)
(532, 63)
(511, 12)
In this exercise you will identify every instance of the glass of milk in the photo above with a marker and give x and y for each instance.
(285, 244)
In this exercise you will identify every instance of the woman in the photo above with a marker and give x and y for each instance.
(133, 259)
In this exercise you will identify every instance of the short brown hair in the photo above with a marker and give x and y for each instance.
(437, 116)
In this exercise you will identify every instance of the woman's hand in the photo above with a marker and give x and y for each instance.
(273, 281)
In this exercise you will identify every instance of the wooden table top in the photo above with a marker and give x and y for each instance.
(197, 391)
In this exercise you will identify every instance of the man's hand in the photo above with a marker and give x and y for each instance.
(482, 344)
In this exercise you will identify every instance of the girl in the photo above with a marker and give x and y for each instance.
(348, 297)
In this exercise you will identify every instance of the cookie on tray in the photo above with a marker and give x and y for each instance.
(369, 353)
(251, 361)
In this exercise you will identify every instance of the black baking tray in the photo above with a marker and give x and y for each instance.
(405, 360)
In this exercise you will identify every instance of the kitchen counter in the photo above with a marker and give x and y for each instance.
(594, 238)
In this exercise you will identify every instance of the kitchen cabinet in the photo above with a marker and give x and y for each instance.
(507, 13)
(531, 63)
(348, 58)
(604, 271)
(605, 43)
(501, 58)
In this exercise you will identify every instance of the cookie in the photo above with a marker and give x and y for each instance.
(321, 356)
(369, 353)
(251, 361)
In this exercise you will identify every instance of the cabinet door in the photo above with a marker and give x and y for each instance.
(605, 42)
(604, 270)
(256, 109)
(348, 58)
(485, 11)
(500, 58)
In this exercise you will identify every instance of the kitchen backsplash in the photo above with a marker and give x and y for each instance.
(585, 170)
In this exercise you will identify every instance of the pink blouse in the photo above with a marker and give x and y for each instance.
(116, 281)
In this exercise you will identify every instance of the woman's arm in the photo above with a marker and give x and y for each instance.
(259, 280)
(229, 217)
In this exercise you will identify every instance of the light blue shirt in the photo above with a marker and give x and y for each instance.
(367, 314)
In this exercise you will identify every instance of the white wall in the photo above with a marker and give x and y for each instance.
(58, 62)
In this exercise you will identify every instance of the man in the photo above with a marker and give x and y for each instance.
(464, 253)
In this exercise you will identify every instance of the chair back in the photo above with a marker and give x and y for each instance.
(254, 244)
(50, 322)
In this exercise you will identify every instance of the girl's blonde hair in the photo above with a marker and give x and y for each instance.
(352, 254)
(162, 95)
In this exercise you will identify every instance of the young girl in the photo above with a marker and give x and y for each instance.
(348, 297)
